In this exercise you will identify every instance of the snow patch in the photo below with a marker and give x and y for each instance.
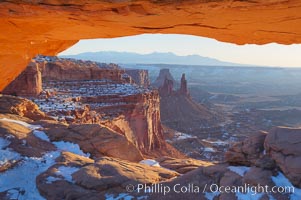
(240, 170)
(71, 147)
(30, 126)
(21, 180)
(209, 149)
(4, 143)
(66, 172)
(150, 162)
(211, 195)
(8, 155)
(51, 179)
(123, 196)
(217, 142)
(248, 196)
(281, 181)
(182, 136)
(41, 134)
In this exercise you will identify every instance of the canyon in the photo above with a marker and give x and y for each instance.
(92, 133)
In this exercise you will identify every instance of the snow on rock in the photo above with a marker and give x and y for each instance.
(217, 142)
(30, 126)
(123, 196)
(281, 181)
(66, 172)
(4, 143)
(248, 196)
(51, 179)
(211, 195)
(8, 155)
(182, 136)
(209, 149)
(240, 170)
(21, 180)
(71, 147)
(150, 162)
(41, 134)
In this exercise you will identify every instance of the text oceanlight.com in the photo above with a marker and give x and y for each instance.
(211, 188)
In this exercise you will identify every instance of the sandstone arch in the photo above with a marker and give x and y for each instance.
(50, 26)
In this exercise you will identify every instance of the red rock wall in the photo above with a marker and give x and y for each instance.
(139, 76)
(28, 83)
(64, 69)
(139, 119)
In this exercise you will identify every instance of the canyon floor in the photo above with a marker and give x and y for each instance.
(72, 129)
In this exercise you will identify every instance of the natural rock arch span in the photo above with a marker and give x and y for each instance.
(50, 26)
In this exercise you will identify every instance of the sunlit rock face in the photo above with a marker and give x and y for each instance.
(50, 26)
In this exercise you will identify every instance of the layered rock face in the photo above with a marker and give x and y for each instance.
(164, 75)
(135, 116)
(54, 68)
(28, 83)
(139, 76)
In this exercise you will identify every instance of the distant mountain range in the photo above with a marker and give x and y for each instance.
(152, 58)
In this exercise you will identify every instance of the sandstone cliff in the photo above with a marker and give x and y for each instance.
(164, 75)
(54, 68)
(139, 121)
(28, 83)
(139, 76)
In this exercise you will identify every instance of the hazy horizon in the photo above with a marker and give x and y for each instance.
(269, 55)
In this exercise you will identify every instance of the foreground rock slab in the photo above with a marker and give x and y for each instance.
(85, 178)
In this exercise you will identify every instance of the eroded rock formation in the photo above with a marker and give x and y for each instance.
(183, 87)
(178, 110)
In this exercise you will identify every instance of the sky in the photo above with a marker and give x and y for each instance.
(263, 55)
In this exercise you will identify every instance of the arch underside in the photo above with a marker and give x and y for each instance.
(48, 27)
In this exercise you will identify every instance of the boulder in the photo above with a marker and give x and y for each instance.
(109, 172)
(182, 166)
(283, 145)
(257, 175)
(89, 179)
(95, 139)
(22, 107)
(22, 140)
(246, 152)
